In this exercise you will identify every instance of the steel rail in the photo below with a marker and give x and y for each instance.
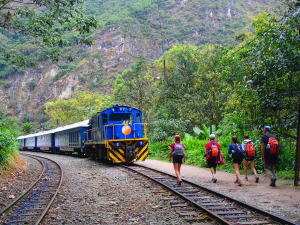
(220, 219)
(54, 195)
(272, 216)
(9, 206)
(46, 209)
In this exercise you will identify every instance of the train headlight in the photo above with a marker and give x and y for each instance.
(117, 144)
(141, 143)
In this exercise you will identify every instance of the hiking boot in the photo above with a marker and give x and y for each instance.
(236, 181)
(256, 179)
(240, 183)
(246, 178)
(214, 180)
(178, 182)
(272, 184)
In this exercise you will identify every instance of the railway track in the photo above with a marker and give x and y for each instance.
(33, 204)
(220, 208)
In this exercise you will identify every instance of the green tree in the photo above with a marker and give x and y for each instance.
(27, 128)
(212, 88)
(8, 142)
(179, 70)
(275, 57)
(135, 87)
(192, 86)
(80, 107)
(46, 21)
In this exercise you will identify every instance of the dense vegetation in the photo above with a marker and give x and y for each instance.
(236, 89)
(31, 31)
(82, 106)
(41, 30)
(196, 89)
(8, 143)
(166, 21)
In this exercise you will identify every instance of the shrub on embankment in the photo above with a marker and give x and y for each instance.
(8, 142)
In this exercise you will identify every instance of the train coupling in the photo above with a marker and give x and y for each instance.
(130, 153)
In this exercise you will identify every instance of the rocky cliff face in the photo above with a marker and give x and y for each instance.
(30, 90)
(115, 50)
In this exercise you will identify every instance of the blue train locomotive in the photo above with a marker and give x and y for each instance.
(117, 134)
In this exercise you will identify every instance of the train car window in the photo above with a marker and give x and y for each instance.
(104, 119)
(70, 137)
(119, 117)
(138, 117)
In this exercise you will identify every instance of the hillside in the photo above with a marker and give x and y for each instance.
(130, 29)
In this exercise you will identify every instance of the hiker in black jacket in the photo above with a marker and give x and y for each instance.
(270, 160)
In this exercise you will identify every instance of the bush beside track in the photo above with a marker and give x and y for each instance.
(8, 142)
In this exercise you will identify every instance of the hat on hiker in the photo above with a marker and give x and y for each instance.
(268, 128)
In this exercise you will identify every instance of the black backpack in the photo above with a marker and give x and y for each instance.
(238, 152)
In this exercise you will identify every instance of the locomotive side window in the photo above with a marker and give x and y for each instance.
(104, 119)
(96, 121)
(138, 117)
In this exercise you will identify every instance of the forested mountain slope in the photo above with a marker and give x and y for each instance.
(130, 29)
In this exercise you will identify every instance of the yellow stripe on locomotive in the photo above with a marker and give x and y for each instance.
(127, 150)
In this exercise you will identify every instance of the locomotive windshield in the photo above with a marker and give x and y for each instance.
(121, 116)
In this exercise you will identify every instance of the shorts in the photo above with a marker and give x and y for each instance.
(211, 162)
(177, 159)
(271, 159)
(249, 158)
(237, 160)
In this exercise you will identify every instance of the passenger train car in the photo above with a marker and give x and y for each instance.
(69, 138)
(117, 134)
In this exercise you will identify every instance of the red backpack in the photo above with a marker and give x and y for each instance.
(250, 149)
(214, 149)
(274, 146)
